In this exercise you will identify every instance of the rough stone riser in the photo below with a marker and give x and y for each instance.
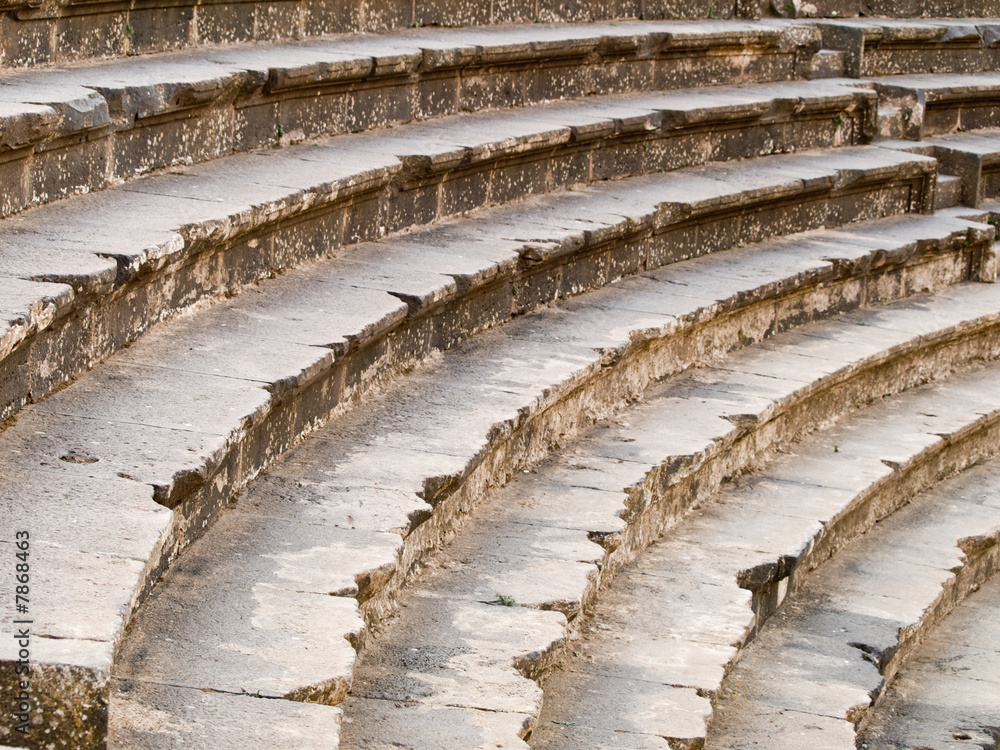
(207, 260)
(622, 378)
(248, 111)
(958, 451)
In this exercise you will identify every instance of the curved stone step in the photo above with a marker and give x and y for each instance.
(82, 293)
(817, 667)
(947, 693)
(244, 379)
(532, 548)
(974, 158)
(73, 30)
(77, 129)
(931, 104)
(653, 677)
(907, 46)
(455, 432)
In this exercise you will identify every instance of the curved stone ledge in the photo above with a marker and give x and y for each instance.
(340, 466)
(937, 547)
(82, 128)
(712, 424)
(212, 229)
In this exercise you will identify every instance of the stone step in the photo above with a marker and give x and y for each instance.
(947, 693)
(79, 294)
(932, 104)
(76, 129)
(907, 46)
(70, 31)
(819, 665)
(491, 611)
(74, 448)
(185, 417)
(974, 157)
(644, 675)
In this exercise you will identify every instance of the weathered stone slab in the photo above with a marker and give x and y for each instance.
(160, 717)
(897, 46)
(214, 228)
(498, 407)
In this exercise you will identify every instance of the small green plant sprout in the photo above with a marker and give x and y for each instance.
(838, 121)
(515, 290)
(129, 31)
(836, 448)
(505, 601)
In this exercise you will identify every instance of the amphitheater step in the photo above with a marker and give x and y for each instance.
(973, 156)
(453, 432)
(947, 693)
(933, 104)
(653, 678)
(818, 665)
(188, 415)
(897, 46)
(497, 601)
(81, 128)
(212, 228)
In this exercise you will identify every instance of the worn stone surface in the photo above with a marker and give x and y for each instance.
(345, 483)
(946, 694)
(729, 565)
(160, 717)
(216, 227)
(941, 104)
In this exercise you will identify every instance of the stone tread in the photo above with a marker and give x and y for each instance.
(448, 416)
(175, 410)
(938, 103)
(144, 112)
(973, 156)
(633, 654)
(947, 693)
(531, 547)
(836, 646)
(61, 258)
